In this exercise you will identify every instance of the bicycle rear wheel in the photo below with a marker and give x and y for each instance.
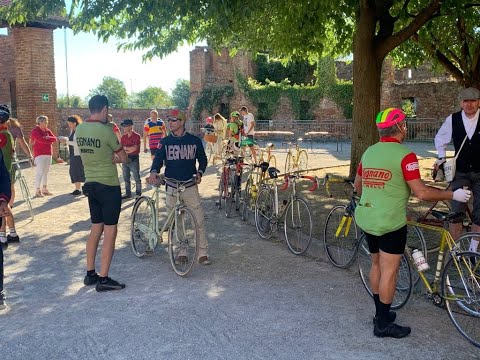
(461, 292)
(340, 237)
(264, 213)
(403, 289)
(183, 241)
(142, 226)
(298, 226)
(302, 161)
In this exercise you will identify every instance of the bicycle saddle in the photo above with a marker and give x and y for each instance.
(273, 172)
(263, 166)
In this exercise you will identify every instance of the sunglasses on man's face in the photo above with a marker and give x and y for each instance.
(172, 120)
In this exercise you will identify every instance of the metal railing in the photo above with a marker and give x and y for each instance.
(419, 129)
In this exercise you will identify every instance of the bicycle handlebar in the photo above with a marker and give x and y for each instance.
(287, 177)
(330, 178)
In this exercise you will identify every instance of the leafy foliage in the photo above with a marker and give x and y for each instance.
(152, 97)
(210, 97)
(297, 71)
(451, 40)
(181, 94)
(73, 101)
(114, 90)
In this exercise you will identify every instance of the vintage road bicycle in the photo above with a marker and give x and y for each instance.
(456, 280)
(22, 183)
(180, 224)
(297, 158)
(294, 213)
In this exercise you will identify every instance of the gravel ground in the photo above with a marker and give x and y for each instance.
(256, 301)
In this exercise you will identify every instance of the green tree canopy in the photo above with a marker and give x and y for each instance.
(114, 90)
(181, 94)
(291, 29)
(152, 97)
(451, 41)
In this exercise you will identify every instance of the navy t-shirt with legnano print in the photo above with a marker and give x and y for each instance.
(180, 154)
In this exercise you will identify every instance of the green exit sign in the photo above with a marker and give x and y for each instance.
(45, 97)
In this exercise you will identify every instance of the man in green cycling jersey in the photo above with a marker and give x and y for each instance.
(387, 174)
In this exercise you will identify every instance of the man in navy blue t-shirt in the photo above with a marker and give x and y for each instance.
(179, 152)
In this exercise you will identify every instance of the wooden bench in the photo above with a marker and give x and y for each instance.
(323, 135)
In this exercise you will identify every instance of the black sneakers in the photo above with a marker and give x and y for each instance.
(76, 193)
(4, 245)
(90, 280)
(13, 239)
(107, 284)
(391, 330)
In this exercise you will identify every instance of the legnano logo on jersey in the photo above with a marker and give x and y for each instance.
(181, 152)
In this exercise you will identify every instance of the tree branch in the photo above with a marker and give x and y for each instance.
(440, 57)
(388, 44)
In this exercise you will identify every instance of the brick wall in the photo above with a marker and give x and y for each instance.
(7, 72)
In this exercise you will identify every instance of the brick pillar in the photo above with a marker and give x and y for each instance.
(35, 76)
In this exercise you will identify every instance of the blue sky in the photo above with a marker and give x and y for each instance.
(89, 60)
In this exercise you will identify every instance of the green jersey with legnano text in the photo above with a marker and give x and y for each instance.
(385, 193)
(97, 143)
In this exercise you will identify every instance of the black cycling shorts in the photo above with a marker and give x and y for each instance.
(104, 202)
(391, 243)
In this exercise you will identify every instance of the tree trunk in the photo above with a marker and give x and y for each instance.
(367, 66)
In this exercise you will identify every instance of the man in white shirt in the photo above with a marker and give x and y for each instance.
(249, 130)
(460, 126)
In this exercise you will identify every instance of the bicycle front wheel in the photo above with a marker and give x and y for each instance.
(246, 199)
(229, 193)
(302, 162)
(264, 213)
(403, 288)
(298, 226)
(183, 241)
(26, 195)
(340, 237)
(142, 226)
(461, 292)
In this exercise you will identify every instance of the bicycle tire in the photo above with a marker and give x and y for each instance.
(246, 199)
(26, 195)
(460, 290)
(342, 248)
(462, 243)
(288, 163)
(298, 226)
(183, 240)
(302, 161)
(221, 190)
(403, 289)
(264, 213)
(229, 194)
(415, 240)
(142, 225)
(237, 186)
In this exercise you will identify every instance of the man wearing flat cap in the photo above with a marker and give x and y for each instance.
(131, 144)
(463, 127)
